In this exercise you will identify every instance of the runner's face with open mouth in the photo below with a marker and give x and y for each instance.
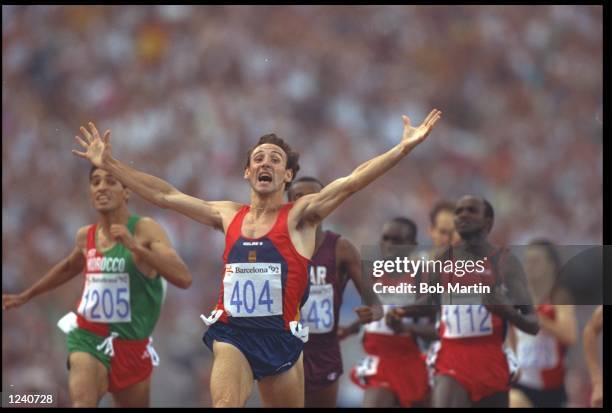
(267, 172)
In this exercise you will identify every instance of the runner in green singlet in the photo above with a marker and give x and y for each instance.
(126, 260)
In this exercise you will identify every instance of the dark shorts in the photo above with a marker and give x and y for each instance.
(322, 365)
(268, 352)
(543, 398)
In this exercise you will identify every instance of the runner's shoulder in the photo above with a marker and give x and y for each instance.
(345, 249)
(81, 236)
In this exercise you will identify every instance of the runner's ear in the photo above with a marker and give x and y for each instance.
(289, 175)
(127, 193)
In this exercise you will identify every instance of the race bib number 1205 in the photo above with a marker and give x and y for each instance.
(106, 298)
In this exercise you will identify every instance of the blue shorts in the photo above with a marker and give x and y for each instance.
(268, 352)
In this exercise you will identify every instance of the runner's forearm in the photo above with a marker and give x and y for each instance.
(149, 187)
(524, 322)
(368, 171)
(62, 272)
(589, 338)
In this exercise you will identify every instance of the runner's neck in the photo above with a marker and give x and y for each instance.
(266, 204)
(119, 216)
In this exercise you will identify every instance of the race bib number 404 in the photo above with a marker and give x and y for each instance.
(106, 298)
(253, 289)
(468, 320)
(318, 311)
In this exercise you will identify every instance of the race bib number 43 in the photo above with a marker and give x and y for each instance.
(253, 289)
(318, 311)
(106, 298)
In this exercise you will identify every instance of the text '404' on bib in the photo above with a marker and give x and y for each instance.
(106, 298)
(253, 289)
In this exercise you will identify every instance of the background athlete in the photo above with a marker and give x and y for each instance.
(268, 247)
(124, 258)
(334, 262)
(470, 363)
(378, 373)
(541, 357)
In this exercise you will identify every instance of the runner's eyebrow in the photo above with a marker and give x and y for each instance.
(273, 151)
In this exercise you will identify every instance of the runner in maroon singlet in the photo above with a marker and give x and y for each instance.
(335, 261)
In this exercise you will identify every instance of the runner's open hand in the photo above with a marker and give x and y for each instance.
(97, 149)
(413, 136)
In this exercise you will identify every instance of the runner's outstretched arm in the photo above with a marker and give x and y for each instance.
(153, 189)
(63, 271)
(313, 208)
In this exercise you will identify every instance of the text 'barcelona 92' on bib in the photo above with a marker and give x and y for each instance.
(253, 289)
(106, 298)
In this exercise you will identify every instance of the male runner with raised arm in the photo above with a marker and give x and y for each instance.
(254, 331)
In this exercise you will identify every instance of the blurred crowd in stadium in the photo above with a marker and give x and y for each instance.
(187, 89)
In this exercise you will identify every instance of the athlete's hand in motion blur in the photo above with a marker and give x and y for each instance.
(97, 149)
(367, 314)
(413, 136)
(122, 235)
(13, 300)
